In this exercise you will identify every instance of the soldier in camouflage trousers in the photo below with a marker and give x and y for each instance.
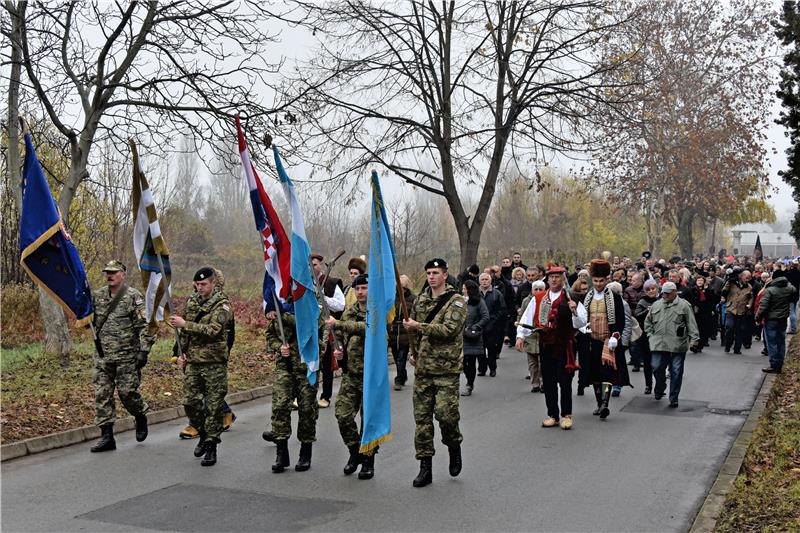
(204, 338)
(124, 343)
(350, 332)
(290, 381)
(437, 323)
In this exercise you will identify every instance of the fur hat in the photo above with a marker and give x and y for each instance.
(357, 263)
(599, 268)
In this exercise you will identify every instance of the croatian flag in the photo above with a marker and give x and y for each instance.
(277, 249)
(306, 307)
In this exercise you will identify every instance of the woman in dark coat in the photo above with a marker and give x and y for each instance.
(477, 318)
(651, 290)
(703, 301)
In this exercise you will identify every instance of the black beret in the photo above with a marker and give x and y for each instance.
(361, 279)
(474, 269)
(436, 263)
(204, 273)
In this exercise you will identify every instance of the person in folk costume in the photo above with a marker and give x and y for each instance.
(555, 316)
(606, 322)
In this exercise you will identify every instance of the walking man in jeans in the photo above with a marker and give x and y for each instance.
(774, 309)
(670, 326)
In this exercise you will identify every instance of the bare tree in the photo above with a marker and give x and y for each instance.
(440, 92)
(140, 69)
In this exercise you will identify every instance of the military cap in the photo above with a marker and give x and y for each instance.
(203, 273)
(436, 263)
(114, 266)
(361, 279)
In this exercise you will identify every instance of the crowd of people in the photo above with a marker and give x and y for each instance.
(592, 322)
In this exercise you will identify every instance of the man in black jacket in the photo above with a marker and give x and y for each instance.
(493, 331)
(774, 309)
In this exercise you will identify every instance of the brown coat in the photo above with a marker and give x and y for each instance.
(737, 297)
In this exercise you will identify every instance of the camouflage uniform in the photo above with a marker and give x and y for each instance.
(123, 336)
(290, 381)
(350, 332)
(204, 340)
(439, 361)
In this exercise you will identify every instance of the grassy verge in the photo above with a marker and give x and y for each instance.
(41, 397)
(766, 493)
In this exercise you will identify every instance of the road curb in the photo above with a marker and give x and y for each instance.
(706, 519)
(61, 439)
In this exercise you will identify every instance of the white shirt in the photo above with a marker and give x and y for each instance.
(578, 321)
(336, 302)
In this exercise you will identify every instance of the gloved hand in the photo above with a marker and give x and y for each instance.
(141, 360)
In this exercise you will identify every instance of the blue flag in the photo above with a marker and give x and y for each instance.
(306, 306)
(377, 424)
(46, 250)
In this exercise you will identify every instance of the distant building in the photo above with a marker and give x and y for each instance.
(773, 244)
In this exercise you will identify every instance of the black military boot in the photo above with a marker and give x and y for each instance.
(425, 476)
(367, 467)
(268, 436)
(141, 427)
(281, 457)
(455, 460)
(606, 397)
(355, 459)
(200, 449)
(210, 458)
(598, 395)
(304, 461)
(106, 442)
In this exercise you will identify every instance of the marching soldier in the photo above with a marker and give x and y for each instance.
(290, 381)
(122, 347)
(351, 330)
(437, 320)
(204, 337)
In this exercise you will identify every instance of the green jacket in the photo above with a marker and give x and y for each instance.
(776, 300)
(204, 339)
(439, 342)
(664, 320)
(274, 342)
(351, 330)
(124, 332)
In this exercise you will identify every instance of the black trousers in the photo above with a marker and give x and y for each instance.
(327, 374)
(735, 331)
(555, 377)
(469, 367)
(400, 355)
(493, 343)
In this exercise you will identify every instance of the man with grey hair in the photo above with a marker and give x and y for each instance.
(670, 328)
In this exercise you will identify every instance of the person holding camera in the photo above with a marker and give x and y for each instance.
(737, 294)
(477, 319)
(671, 328)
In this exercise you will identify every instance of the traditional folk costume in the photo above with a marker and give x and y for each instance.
(606, 321)
(550, 315)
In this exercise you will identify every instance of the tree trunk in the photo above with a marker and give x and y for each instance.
(13, 101)
(57, 340)
(685, 233)
(657, 228)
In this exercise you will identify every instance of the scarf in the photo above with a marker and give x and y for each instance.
(610, 308)
(547, 318)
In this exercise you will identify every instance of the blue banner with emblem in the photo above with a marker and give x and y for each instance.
(377, 423)
(47, 252)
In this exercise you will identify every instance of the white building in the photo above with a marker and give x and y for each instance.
(773, 244)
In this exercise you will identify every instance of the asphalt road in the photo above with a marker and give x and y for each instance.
(647, 468)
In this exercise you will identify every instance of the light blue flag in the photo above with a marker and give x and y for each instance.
(306, 306)
(377, 424)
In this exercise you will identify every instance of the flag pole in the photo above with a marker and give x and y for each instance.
(280, 320)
